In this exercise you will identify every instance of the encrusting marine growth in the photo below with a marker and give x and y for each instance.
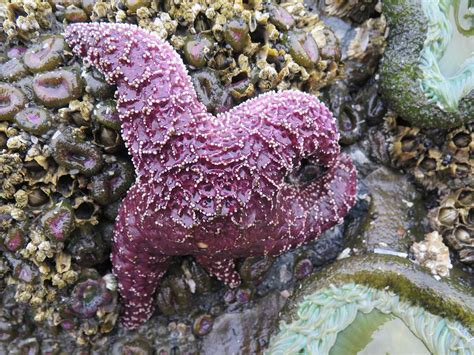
(262, 178)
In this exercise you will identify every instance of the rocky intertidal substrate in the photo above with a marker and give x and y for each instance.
(55, 134)
(64, 170)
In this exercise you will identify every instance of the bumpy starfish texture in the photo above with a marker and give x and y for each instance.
(215, 187)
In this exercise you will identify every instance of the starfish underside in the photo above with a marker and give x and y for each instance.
(214, 187)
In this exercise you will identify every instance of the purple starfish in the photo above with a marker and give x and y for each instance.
(215, 187)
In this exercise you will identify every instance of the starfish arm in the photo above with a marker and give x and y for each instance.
(136, 264)
(155, 97)
(137, 285)
(222, 268)
(130, 57)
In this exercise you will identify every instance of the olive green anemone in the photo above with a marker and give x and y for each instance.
(376, 304)
(428, 67)
(323, 316)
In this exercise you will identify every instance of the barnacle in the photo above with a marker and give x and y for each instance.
(108, 139)
(433, 254)
(134, 5)
(454, 220)
(280, 17)
(365, 50)
(461, 144)
(13, 321)
(5, 269)
(38, 197)
(302, 47)
(25, 18)
(370, 104)
(357, 10)
(11, 173)
(75, 14)
(86, 212)
(436, 163)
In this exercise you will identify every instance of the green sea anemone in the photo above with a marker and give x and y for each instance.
(324, 315)
(446, 78)
(428, 67)
(375, 304)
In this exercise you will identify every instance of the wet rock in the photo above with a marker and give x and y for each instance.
(244, 332)
(361, 161)
(396, 213)
(320, 252)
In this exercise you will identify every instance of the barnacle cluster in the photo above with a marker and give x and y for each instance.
(355, 10)
(26, 19)
(454, 219)
(433, 254)
(56, 131)
(438, 159)
(14, 321)
(237, 50)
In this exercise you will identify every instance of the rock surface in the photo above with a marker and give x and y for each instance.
(396, 213)
(245, 332)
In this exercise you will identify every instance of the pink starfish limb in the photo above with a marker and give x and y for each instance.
(215, 187)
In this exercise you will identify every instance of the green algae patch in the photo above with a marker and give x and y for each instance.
(421, 80)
